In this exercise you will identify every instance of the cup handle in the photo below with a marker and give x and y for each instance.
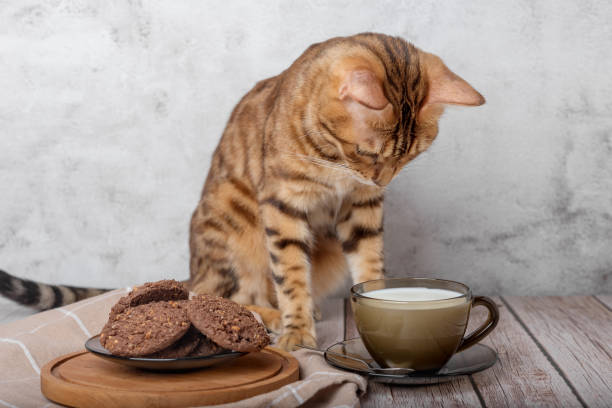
(486, 327)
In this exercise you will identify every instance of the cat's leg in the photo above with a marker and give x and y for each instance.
(360, 230)
(211, 268)
(229, 256)
(329, 268)
(271, 317)
(289, 242)
(218, 266)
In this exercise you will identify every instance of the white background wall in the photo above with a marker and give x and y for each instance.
(110, 110)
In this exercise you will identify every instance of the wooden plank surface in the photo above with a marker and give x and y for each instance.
(576, 332)
(523, 376)
(606, 300)
(457, 393)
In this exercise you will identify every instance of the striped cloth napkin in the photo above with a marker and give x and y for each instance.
(27, 345)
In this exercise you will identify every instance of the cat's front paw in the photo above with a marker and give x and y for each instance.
(289, 339)
(271, 317)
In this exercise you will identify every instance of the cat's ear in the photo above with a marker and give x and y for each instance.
(360, 89)
(446, 87)
(363, 86)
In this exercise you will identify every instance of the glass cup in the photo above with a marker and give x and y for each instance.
(418, 334)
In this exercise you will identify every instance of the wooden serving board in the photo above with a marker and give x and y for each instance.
(83, 380)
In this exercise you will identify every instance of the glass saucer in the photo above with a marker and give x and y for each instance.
(160, 364)
(472, 360)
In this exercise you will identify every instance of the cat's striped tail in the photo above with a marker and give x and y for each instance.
(40, 295)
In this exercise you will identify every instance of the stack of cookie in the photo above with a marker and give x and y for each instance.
(157, 320)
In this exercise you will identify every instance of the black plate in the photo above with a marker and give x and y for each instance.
(477, 358)
(160, 364)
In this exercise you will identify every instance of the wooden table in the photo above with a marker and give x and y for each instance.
(553, 351)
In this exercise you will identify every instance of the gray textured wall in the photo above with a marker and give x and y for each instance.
(109, 112)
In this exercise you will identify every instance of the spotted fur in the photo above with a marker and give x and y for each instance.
(294, 196)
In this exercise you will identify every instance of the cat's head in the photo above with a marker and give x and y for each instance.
(381, 103)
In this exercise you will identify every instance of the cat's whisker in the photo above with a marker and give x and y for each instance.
(335, 166)
(321, 162)
(363, 180)
(325, 163)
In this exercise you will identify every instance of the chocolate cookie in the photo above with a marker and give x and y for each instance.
(227, 323)
(145, 329)
(151, 292)
(182, 348)
(206, 348)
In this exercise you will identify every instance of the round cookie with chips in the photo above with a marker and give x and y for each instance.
(206, 348)
(227, 323)
(168, 289)
(145, 329)
(182, 348)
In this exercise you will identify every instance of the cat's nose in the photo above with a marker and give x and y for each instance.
(383, 175)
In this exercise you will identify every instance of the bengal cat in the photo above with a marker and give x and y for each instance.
(293, 200)
(294, 195)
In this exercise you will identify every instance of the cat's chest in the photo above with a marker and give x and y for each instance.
(331, 207)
